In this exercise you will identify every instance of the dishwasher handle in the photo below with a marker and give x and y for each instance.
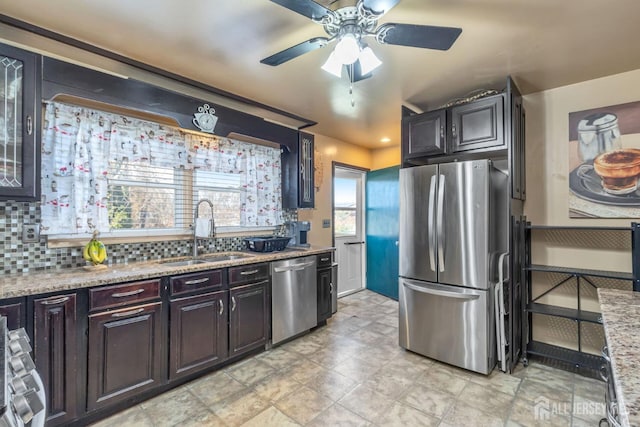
(441, 293)
(294, 267)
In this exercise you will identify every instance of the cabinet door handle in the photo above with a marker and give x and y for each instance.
(196, 281)
(442, 132)
(453, 130)
(221, 304)
(128, 313)
(233, 303)
(29, 125)
(324, 259)
(127, 294)
(55, 301)
(248, 272)
(330, 288)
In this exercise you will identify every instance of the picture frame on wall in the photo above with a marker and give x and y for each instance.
(604, 162)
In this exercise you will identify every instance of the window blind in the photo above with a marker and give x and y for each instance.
(122, 175)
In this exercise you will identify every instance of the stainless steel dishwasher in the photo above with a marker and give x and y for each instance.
(294, 299)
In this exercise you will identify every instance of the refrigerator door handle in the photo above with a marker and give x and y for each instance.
(439, 292)
(431, 225)
(440, 220)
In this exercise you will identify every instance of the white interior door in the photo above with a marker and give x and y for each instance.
(348, 228)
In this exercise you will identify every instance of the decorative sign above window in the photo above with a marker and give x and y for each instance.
(204, 119)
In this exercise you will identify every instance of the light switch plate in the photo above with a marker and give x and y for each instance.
(31, 233)
(326, 223)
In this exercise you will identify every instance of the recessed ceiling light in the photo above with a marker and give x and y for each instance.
(385, 140)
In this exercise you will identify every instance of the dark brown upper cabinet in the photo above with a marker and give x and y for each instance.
(491, 127)
(477, 125)
(20, 111)
(298, 189)
(424, 134)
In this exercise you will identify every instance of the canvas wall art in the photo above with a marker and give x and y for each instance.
(604, 162)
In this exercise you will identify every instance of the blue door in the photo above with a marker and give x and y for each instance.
(382, 212)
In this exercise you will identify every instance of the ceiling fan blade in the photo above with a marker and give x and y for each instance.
(424, 36)
(357, 72)
(295, 51)
(308, 8)
(379, 7)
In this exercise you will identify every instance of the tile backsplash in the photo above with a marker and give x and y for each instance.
(20, 257)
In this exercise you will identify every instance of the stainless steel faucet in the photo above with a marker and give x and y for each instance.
(195, 217)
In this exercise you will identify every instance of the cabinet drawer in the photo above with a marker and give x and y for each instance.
(248, 273)
(121, 295)
(325, 260)
(201, 281)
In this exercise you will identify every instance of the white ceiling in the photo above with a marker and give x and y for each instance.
(542, 43)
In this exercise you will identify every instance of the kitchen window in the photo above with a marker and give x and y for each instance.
(126, 177)
(225, 192)
(142, 197)
(345, 207)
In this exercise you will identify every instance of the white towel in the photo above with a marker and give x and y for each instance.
(203, 228)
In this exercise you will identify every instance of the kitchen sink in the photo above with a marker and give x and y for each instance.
(183, 262)
(205, 260)
(218, 258)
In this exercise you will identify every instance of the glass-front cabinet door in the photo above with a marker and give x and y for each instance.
(20, 112)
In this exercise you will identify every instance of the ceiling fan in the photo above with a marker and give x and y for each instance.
(349, 26)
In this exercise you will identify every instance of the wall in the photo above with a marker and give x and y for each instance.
(19, 257)
(547, 162)
(329, 150)
(384, 157)
(547, 159)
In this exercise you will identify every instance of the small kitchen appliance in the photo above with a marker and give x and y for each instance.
(298, 231)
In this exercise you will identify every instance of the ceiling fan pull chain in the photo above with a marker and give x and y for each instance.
(353, 102)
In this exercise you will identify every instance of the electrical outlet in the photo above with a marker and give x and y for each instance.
(326, 223)
(31, 233)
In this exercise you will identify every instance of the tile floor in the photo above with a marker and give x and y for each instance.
(353, 373)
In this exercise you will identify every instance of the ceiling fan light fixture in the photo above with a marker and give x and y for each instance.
(347, 50)
(333, 66)
(368, 60)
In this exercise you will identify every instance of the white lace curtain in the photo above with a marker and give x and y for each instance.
(260, 166)
(78, 144)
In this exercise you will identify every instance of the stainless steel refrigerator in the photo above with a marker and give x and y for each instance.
(453, 228)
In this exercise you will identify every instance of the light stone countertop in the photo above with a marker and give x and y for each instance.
(621, 319)
(40, 282)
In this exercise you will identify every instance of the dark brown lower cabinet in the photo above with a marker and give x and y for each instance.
(14, 311)
(198, 333)
(124, 354)
(325, 289)
(55, 352)
(248, 317)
